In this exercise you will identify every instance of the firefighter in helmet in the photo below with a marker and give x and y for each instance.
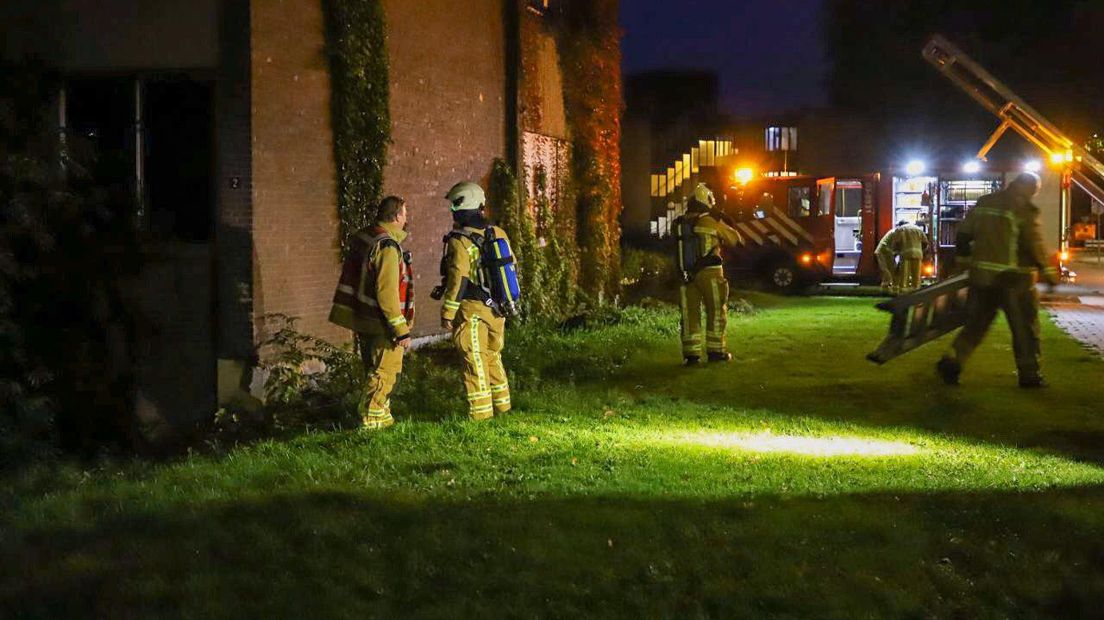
(375, 299)
(467, 310)
(1001, 244)
(702, 232)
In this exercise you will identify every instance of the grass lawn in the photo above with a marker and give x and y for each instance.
(799, 481)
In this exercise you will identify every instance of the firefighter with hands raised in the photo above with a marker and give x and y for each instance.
(701, 233)
(375, 299)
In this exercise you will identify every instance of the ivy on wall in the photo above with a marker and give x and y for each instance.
(357, 52)
(590, 53)
(546, 256)
(558, 254)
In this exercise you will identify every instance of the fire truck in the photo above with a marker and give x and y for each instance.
(806, 230)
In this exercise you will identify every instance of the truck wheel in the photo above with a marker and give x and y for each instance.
(782, 276)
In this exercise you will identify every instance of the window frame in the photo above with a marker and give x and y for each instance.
(138, 133)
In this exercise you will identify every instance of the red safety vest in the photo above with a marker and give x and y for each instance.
(357, 287)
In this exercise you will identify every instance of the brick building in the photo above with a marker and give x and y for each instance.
(219, 112)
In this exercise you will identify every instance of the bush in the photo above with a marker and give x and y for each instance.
(649, 273)
(67, 248)
(647, 265)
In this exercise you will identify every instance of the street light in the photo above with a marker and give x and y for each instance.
(915, 168)
(971, 167)
(1033, 165)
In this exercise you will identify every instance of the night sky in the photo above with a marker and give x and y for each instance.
(768, 53)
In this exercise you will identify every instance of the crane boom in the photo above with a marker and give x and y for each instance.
(1015, 114)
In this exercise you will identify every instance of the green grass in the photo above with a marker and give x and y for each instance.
(799, 481)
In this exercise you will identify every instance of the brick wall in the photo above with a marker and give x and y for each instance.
(449, 116)
(295, 266)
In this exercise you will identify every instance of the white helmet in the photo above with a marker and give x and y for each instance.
(466, 196)
(704, 195)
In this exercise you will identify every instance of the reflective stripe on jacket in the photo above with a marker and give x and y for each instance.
(1001, 236)
(911, 241)
(713, 234)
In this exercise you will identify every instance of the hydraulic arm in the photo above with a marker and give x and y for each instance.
(1015, 114)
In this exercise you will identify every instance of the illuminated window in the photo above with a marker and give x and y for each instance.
(781, 139)
(800, 201)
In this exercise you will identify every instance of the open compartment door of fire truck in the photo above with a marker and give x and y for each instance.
(847, 216)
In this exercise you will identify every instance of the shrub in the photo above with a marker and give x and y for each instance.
(67, 248)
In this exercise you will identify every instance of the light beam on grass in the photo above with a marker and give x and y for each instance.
(803, 445)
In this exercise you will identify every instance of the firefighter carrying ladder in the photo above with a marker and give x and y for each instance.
(929, 313)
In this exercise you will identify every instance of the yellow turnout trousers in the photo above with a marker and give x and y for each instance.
(1021, 310)
(480, 336)
(382, 363)
(908, 274)
(709, 288)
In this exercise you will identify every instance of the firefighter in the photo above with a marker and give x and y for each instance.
(478, 330)
(885, 253)
(375, 299)
(1001, 244)
(900, 256)
(703, 233)
(911, 246)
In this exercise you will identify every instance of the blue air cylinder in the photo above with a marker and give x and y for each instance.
(504, 280)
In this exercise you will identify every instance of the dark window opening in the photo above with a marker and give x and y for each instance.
(100, 120)
(179, 159)
(150, 145)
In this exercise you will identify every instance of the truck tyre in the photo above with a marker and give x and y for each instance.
(782, 276)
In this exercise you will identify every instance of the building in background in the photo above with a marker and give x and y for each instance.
(672, 126)
(216, 117)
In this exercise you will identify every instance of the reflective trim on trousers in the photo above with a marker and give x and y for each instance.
(477, 353)
(683, 306)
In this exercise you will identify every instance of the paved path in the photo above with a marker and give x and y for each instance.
(1079, 308)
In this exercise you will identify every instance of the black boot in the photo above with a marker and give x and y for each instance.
(720, 357)
(949, 369)
(691, 360)
(1033, 382)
